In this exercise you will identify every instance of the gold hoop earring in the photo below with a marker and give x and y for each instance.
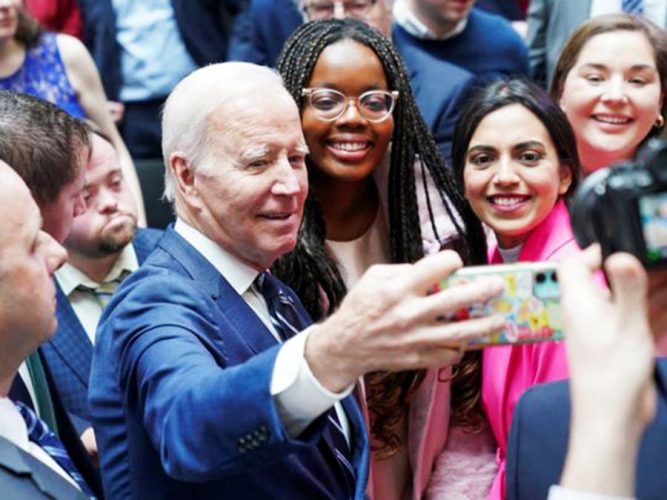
(659, 122)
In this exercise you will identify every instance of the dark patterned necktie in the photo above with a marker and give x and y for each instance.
(287, 321)
(40, 434)
(635, 7)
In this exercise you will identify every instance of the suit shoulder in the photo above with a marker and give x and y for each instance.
(24, 477)
(543, 399)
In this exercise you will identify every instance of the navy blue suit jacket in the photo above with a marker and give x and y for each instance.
(539, 435)
(259, 32)
(179, 394)
(69, 353)
(488, 46)
(200, 23)
(439, 89)
(24, 477)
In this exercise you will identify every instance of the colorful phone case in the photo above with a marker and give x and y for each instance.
(530, 302)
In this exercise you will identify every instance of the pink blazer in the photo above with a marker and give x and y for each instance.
(507, 371)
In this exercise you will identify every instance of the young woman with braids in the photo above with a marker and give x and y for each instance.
(371, 202)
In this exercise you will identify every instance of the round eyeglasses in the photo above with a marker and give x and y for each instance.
(329, 104)
(326, 9)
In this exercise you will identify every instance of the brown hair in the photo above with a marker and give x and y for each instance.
(656, 37)
(41, 142)
(28, 31)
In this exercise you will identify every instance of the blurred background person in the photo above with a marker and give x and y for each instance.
(515, 156)
(143, 48)
(610, 80)
(57, 68)
(456, 32)
(61, 16)
(551, 22)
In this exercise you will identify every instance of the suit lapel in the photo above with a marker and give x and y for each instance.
(72, 342)
(252, 331)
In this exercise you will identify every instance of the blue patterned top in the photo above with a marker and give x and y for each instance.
(43, 75)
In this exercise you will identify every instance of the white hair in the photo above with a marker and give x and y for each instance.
(185, 124)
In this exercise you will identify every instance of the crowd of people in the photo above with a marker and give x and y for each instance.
(329, 164)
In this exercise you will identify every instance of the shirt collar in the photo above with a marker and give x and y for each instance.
(12, 425)
(238, 274)
(407, 20)
(69, 277)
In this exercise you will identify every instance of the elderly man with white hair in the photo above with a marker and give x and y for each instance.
(203, 382)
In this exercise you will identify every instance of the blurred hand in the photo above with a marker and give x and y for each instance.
(610, 350)
(390, 322)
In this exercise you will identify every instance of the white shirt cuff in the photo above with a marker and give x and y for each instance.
(300, 397)
(559, 493)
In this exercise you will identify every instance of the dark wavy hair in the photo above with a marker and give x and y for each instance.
(310, 270)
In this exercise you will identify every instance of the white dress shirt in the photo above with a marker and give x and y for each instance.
(300, 397)
(13, 429)
(86, 307)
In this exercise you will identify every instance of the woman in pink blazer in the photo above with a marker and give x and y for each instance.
(516, 157)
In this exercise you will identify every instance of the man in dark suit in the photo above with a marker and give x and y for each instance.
(202, 380)
(104, 246)
(614, 442)
(143, 48)
(48, 149)
(260, 30)
(28, 258)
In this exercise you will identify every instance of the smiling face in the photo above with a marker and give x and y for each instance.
(252, 185)
(512, 173)
(110, 218)
(612, 97)
(349, 148)
(28, 259)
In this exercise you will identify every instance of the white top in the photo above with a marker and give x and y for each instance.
(654, 10)
(560, 493)
(510, 255)
(407, 20)
(13, 429)
(299, 395)
(86, 307)
(354, 257)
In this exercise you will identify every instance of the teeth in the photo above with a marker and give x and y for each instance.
(349, 146)
(506, 202)
(615, 120)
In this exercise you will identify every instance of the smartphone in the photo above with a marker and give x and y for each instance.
(530, 302)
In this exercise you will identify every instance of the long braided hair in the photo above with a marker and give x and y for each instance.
(311, 271)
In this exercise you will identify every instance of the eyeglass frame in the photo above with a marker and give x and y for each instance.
(333, 3)
(308, 92)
